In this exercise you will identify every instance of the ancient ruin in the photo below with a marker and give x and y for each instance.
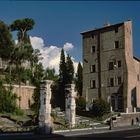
(70, 105)
(45, 124)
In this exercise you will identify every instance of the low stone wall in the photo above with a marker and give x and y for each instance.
(24, 94)
(126, 119)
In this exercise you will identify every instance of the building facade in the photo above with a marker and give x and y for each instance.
(110, 71)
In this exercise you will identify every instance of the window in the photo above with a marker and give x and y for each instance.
(138, 78)
(92, 49)
(29, 103)
(116, 44)
(116, 30)
(92, 84)
(111, 82)
(119, 80)
(93, 36)
(119, 64)
(111, 65)
(92, 68)
(85, 60)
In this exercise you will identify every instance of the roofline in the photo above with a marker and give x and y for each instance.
(118, 24)
(136, 58)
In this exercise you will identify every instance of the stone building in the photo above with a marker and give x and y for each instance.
(110, 71)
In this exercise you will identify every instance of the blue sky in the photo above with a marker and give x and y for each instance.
(61, 22)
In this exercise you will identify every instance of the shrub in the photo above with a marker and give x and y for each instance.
(53, 115)
(18, 112)
(99, 108)
(80, 103)
(8, 100)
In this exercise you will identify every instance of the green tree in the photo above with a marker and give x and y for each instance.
(37, 77)
(22, 26)
(62, 80)
(55, 100)
(49, 74)
(79, 79)
(34, 59)
(100, 107)
(69, 70)
(23, 52)
(80, 103)
(6, 43)
(7, 99)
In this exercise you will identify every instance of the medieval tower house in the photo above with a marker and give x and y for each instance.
(110, 71)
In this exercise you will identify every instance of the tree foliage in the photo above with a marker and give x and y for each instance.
(62, 80)
(6, 43)
(66, 74)
(7, 99)
(23, 61)
(69, 70)
(24, 65)
(22, 53)
(22, 26)
(62, 67)
(80, 103)
(100, 107)
(23, 50)
(49, 74)
(79, 79)
(36, 78)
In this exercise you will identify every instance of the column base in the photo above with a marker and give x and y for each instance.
(45, 130)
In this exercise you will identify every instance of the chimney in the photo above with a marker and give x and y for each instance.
(107, 24)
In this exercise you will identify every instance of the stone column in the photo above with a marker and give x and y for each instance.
(45, 124)
(135, 110)
(127, 110)
(70, 95)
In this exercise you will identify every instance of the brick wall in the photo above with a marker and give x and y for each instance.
(24, 94)
(126, 119)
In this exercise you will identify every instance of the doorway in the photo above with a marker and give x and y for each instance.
(117, 102)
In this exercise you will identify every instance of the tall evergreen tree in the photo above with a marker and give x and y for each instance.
(6, 43)
(62, 80)
(69, 70)
(62, 67)
(79, 79)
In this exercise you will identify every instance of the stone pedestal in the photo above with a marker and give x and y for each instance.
(135, 110)
(111, 110)
(70, 105)
(45, 124)
(127, 110)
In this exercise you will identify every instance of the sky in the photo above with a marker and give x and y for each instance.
(58, 24)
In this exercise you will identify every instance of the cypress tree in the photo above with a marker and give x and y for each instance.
(6, 43)
(79, 79)
(62, 80)
(69, 70)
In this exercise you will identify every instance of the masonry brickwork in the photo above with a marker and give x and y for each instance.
(110, 71)
(24, 94)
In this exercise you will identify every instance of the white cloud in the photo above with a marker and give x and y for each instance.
(51, 57)
(68, 46)
(51, 54)
(37, 42)
(16, 41)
